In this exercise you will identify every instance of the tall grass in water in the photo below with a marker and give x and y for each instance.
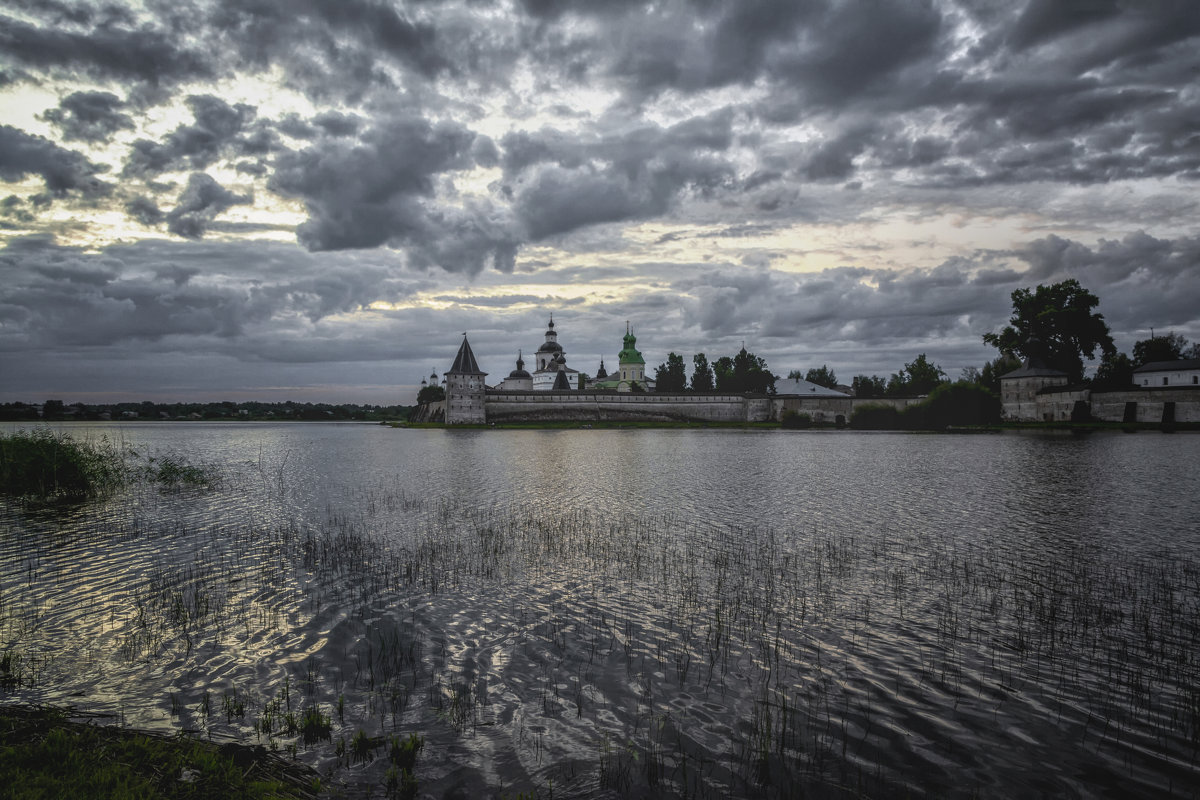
(43, 465)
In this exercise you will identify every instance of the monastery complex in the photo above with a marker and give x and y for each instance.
(1165, 392)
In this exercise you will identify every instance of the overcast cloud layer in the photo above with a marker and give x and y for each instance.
(313, 199)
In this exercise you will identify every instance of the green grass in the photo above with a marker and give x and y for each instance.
(175, 472)
(42, 465)
(45, 755)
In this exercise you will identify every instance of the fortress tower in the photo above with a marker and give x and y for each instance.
(465, 389)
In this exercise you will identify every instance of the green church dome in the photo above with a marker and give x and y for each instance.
(630, 355)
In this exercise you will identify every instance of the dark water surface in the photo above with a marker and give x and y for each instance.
(640, 613)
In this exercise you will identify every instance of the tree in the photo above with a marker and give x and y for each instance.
(989, 376)
(1115, 372)
(671, 376)
(868, 386)
(917, 377)
(958, 404)
(750, 374)
(745, 372)
(1056, 325)
(52, 409)
(822, 377)
(431, 394)
(702, 374)
(1171, 347)
(723, 372)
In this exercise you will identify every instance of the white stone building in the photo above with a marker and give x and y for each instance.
(1019, 390)
(549, 361)
(1168, 373)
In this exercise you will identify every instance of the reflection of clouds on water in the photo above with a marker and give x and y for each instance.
(630, 611)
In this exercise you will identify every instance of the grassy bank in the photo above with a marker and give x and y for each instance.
(43, 465)
(45, 754)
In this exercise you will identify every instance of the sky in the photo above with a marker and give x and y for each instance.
(313, 200)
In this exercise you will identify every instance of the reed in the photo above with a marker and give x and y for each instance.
(42, 465)
(703, 660)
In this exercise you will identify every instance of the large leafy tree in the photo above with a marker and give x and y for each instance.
(671, 376)
(1056, 325)
(702, 374)
(751, 374)
(822, 376)
(917, 377)
(745, 372)
(868, 386)
(1115, 372)
(1171, 347)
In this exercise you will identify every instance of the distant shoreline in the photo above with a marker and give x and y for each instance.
(1086, 427)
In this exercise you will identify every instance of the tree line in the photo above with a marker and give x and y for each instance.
(742, 372)
(58, 410)
(1054, 326)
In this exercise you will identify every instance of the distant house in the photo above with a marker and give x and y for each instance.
(1168, 373)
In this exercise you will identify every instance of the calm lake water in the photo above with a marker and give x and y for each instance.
(617, 613)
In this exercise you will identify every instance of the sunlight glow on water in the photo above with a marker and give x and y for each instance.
(632, 612)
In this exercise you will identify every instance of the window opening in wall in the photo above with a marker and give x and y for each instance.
(1164, 381)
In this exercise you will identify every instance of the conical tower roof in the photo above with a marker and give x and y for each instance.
(464, 362)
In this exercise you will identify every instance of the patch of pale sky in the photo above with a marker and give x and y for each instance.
(473, 183)
(266, 91)
(22, 103)
(965, 37)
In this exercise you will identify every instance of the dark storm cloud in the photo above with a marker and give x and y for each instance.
(63, 170)
(144, 210)
(600, 118)
(380, 190)
(217, 131)
(15, 208)
(1104, 34)
(1142, 281)
(829, 52)
(157, 291)
(104, 46)
(1046, 19)
(201, 201)
(332, 123)
(560, 183)
(89, 116)
(329, 48)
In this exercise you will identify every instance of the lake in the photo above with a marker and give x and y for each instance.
(613, 613)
